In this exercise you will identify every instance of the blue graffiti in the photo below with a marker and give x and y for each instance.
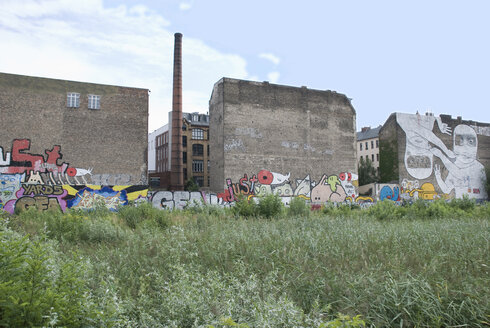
(388, 193)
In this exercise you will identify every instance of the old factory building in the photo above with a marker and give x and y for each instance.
(429, 157)
(286, 140)
(58, 132)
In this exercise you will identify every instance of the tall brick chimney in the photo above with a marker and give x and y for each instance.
(176, 165)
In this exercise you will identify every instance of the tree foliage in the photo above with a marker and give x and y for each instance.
(367, 173)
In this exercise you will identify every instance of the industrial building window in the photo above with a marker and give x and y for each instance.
(198, 134)
(93, 102)
(184, 157)
(199, 181)
(197, 150)
(184, 141)
(208, 150)
(372, 157)
(72, 100)
(197, 166)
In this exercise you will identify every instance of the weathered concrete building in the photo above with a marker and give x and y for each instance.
(285, 140)
(66, 133)
(430, 157)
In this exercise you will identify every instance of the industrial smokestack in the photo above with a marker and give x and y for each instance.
(176, 171)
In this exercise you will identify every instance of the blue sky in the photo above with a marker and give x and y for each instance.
(387, 56)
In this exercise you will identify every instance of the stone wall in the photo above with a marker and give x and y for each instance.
(298, 132)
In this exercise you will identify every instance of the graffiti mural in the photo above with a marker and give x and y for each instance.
(457, 171)
(44, 181)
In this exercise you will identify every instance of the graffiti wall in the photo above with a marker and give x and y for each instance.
(441, 162)
(46, 182)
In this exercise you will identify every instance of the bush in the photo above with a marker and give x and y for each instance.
(245, 207)
(298, 207)
(39, 288)
(134, 215)
(270, 205)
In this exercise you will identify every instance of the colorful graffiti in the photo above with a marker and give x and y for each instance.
(457, 172)
(29, 180)
(330, 188)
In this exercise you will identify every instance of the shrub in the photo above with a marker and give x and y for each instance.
(245, 207)
(134, 215)
(39, 288)
(270, 206)
(298, 207)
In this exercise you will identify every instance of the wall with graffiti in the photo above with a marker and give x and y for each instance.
(46, 182)
(442, 161)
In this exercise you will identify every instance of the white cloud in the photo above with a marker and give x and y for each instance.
(273, 77)
(185, 6)
(121, 46)
(271, 57)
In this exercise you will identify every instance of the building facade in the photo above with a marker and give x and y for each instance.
(294, 142)
(431, 157)
(195, 155)
(368, 146)
(65, 133)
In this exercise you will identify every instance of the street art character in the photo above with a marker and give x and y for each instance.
(328, 189)
(272, 178)
(262, 190)
(466, 175)
(387, 192)
(9, 185)
(283, 190)
(418, 129)
(303, 187)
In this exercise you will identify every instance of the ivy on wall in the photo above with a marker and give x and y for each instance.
(388, 161)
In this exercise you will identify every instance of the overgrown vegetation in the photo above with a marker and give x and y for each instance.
(367, 173)
(252, 265)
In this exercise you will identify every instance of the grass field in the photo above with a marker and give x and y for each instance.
(424, 265)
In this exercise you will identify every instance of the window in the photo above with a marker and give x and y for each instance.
(93, 102)
(360, 145)
(372, 144)
(377, 157)
(372, 157)
(184, 127)
(199, 181)
(184, 157)
(367, 145)
(197, 150)
(197, 166)
(208, 150)
(73, 100)
(184, 141)
(198, 134)
(185, 174)
(195, 118)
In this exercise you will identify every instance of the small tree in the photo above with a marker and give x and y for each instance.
(367, 173)
(191, 185)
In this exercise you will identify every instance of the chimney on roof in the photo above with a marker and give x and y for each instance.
(176, 165)
(366, 128)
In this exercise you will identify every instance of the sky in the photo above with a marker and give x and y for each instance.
(387, 56)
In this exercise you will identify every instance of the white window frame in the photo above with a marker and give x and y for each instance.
(93, 101)
(197, 166)
(197, 134)
(72, 100)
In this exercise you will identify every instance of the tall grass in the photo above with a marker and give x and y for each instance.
(426, 265)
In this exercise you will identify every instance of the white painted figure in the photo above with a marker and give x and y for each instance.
(418, 129)
(466, 175)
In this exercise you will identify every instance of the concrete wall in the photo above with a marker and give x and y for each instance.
(292, 133)
(438, 156)
(41, 135)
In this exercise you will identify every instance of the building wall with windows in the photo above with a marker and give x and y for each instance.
(368, 146)
(91, 133)
(195, 156)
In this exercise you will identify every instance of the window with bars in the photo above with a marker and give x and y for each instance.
(93, 102)
(197, 150)
(198, 134)
(72, 100)
(197, 166)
